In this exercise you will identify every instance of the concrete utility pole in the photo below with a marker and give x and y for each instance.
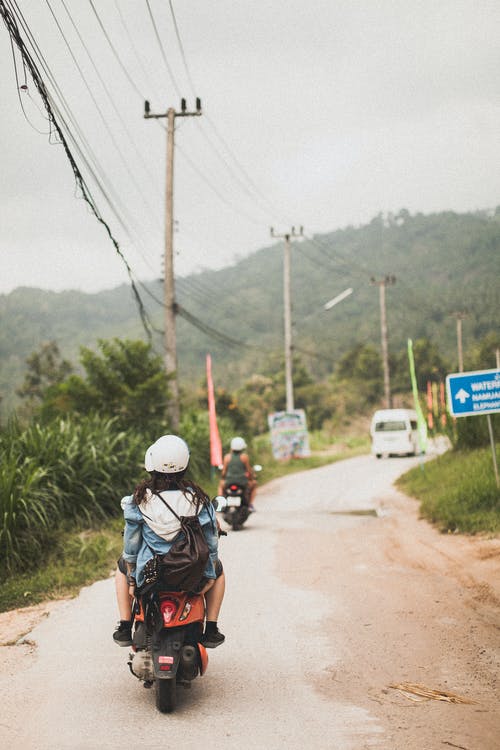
(386, 281)
(459, 317)
(169, 286)
(288, 312)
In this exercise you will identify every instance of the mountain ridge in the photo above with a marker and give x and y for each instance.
(443, 263)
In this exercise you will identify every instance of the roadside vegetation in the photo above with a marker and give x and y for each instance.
(457, 491)
(76, 446)
(60, 506)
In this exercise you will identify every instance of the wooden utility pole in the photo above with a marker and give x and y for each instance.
(288, 311)
(386, 281)
(169, 283)
(459, 317)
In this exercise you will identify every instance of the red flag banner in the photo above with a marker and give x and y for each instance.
(215, 442)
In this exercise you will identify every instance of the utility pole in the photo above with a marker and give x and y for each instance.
(169, 285)
(386, 281)
(461, 315)
(288, 311)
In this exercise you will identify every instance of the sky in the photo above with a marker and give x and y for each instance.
(317, 114)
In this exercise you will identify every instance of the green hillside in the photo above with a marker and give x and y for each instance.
(443, 263)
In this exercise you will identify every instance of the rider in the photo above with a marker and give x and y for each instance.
(236, 468)
(150, 528)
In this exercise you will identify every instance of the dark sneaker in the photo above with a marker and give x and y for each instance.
(123, 634)
(212, 640)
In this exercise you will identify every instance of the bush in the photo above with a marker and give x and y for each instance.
(472, 432)
(61, 474)
(458, 491)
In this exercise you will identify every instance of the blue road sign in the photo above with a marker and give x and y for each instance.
(472, 393)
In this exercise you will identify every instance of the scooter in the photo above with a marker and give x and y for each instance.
(166, 649)
(166, 642)
(237, 511)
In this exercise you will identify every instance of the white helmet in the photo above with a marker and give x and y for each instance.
(238, 444)
(168, 455)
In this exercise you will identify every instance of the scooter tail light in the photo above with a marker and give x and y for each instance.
(185, 612)
(168, 610)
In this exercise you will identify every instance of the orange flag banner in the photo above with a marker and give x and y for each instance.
(215, 442)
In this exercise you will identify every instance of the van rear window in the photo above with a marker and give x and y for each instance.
(392, 426)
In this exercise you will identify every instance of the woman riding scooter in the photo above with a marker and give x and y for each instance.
(151, 528)
(236, 468)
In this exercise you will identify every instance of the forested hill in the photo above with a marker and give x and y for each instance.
(442, 263)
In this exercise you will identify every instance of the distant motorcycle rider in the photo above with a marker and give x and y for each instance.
(236, 468)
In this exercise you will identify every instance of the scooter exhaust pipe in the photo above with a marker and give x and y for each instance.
(188, 666)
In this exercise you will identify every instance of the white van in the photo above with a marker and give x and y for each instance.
(394, 432)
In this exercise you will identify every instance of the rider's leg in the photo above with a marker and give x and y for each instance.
(123, 632)
(252, 490)
(214, 597)
(212, 636)
(122, 596)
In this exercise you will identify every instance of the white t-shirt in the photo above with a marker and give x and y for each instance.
(159, 518)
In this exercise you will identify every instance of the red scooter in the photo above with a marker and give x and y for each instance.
(166, 648)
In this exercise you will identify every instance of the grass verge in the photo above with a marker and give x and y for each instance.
(78, 559)
(457, 491)
(83, 557)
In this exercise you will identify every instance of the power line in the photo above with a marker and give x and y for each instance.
(216, 191)
(181, 47)
(99, 110)
(162, 50)
(130, 38)
(221, 337)
(115, 53)
(11, 24)
(108, 94)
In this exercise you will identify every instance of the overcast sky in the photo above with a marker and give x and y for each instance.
(318, 114)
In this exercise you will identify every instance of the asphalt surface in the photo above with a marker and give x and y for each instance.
(292, 672)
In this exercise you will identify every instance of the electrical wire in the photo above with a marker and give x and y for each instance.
(245, 181)
(115, 53)
(133, 47)
(216, 190)
(18, 90)
(162, 50)
(12, 27)
(109, 95)
(181, 47)
(101, 115)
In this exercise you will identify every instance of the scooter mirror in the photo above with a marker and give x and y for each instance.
(220, 502)
(257, 467)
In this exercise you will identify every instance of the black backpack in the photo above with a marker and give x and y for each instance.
(183, 566)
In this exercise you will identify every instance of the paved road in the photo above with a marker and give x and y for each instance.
(297, 669)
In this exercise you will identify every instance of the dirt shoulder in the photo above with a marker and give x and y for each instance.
(408, 605)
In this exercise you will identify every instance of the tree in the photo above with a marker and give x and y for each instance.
(429, 366)
(46, 368)
(125, 380)
(360, 370)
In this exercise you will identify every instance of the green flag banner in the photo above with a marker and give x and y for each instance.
(421, 424)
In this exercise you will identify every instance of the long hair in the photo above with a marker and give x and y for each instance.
(159, 482)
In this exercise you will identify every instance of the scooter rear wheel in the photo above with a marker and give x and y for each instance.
(166, 695)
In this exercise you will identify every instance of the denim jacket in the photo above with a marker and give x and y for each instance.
(140, 542)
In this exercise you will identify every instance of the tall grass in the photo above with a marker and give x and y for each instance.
(457, 491)
(59, 475)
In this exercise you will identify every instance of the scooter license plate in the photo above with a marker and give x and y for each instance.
(233, 502)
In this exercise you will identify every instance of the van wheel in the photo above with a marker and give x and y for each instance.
(378, 455)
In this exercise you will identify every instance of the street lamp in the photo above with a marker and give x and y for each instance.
(338, 299)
